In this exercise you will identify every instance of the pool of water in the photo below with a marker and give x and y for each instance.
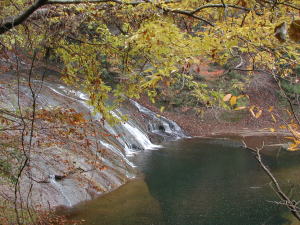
(198, 182)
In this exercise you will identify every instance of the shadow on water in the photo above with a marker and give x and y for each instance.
(129, 204)
(198, 182)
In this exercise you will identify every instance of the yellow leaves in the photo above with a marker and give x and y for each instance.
(233, 100)
(153, 82)
(290, 114)
(240, 108)
(232, 42)
(255, 111)
(272, 130)
(295, 145)
(251, 111)
(162, 39)
(273, 118)
(295, 133)
(271, 108)
(258, 114)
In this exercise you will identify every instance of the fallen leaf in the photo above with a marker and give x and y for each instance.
(227, 97)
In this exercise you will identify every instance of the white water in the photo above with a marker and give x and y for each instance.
(139, 138)
(117, 151)
(160, 125)
(60, 189)
(127, 138)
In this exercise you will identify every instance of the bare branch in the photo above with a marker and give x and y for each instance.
(289, 203)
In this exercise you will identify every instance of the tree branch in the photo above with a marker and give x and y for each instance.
(187, 13)
(10, 23)
(219, 6)
(285, 200)
(193, 12)
(289, 5)
(283, 3)
(286, 97)
(62, 2)
(17, 20)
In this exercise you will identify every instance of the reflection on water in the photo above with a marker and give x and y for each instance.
(130, 204)
(198, 182)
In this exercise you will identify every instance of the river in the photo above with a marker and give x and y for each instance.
(197, 182)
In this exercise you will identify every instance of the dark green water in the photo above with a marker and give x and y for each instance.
(198, 182)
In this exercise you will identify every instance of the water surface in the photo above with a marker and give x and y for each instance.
(198, 182)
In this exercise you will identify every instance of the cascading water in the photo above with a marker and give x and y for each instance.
(87, 172)
(59, 188)
(160, 125)
(133, 138)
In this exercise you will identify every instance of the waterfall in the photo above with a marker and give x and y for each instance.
(117, 152)
(133, 138)
(122, 141)
(59, 188)
(160, 125)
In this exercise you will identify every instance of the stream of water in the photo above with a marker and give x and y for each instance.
(197, 182)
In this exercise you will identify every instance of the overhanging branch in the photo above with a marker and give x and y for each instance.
(219, 6)
(17, 20)
(68, 2)
(187, 13)
(10, 23)
(192, 13)
(297, 7)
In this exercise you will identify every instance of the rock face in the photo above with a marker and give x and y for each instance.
(73, 161)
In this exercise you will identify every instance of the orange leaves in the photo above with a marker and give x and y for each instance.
(64, 116)
(77, 118)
